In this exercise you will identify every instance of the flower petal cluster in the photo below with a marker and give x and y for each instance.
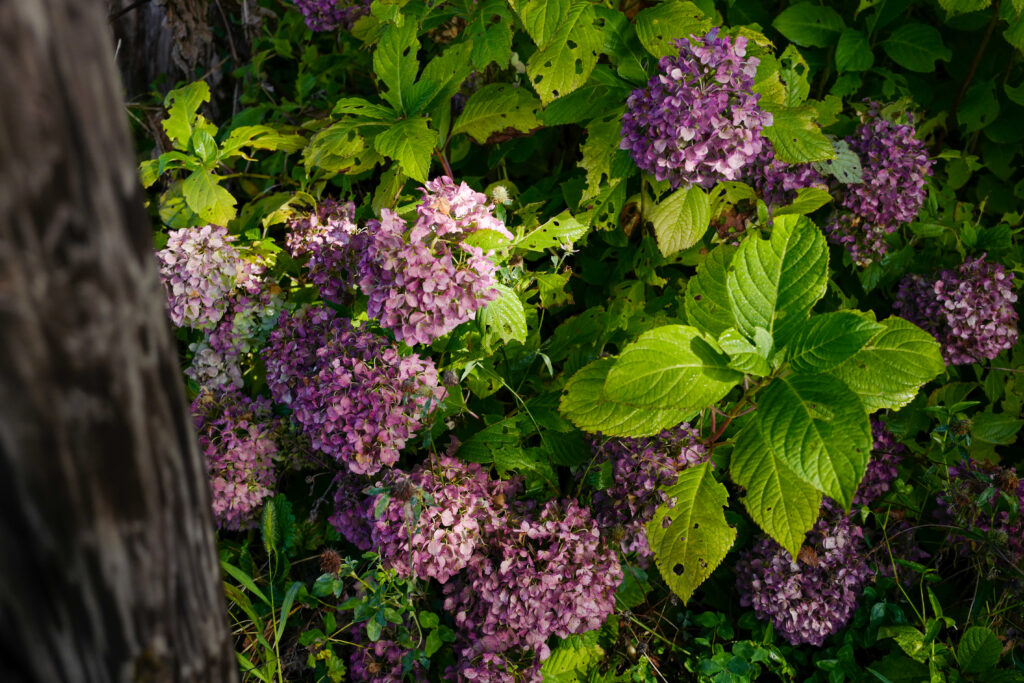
(350, 391)
(896, 170)
(541, 575)
(200, 269)
(809, 598)
(881, 472)
(698, 121)
(777, 182)
(380, 661)
(458, 504)
(969, 310)
(236, 435)
(331, 239)
(639, 467)
(352, 511)
(329, 15)
(423, 287)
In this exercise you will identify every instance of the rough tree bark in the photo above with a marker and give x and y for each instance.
(108, 567)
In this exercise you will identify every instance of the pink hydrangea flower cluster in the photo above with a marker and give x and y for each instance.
(811, 597)
(350, 391)
(459, 506)
(540, 575)
(490, 667)
(896, 170)
(422, 287)
(640, 467)
(201, 269)
(886, 453)
(329, 15)
(236, 434)
(969, 310)
(245, 326)
(698, 121)
(986, 503)
(332, 240)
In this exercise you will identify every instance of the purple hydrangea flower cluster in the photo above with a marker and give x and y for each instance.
(329, 15)
(698, 121)
(352, 511)
(540, 575)
(200, 269)
(639, 468)
(424, 287)
(777, 182)
(350, 391)
(986, 501)
(331, 239)
(969, 310)
(896, 170)
(809, 598)
(881, 472)
(460, 504)
(236, 434)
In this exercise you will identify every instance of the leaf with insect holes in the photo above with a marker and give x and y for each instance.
(691, 538)
(504, 317)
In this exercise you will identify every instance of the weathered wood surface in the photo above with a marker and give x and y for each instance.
(108, 568)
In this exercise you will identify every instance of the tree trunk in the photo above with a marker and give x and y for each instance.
(108, 565)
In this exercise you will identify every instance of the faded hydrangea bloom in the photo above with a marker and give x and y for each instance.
(811, 597)
(329, 15)
(458, 505)
(422, 286)
(350, 391)
(969, 310)
(639, 468)
(236, 436)
(698, 121)
(331, 239)
(896, 170)
(538, 576)
(352, 511)
(201, 269)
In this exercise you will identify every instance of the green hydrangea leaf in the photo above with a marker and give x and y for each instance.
(809, 25)
(505, 317)
(586, 406)
(497, 107)
(916, 47)
(410, 142)
(774, 283)
(707, 294)
(681, 219)
(979, 650)
(671, 367)
(395, 63)
(823, 342)
(566, 56)
(888, 371)
(205, 196)
(818, 428)
(659, 26)
(560, 231)
(796, 138)
(782, 504)
(691, 538)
